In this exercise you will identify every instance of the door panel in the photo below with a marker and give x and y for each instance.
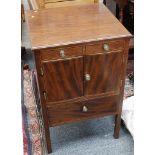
(63, 79)
(105, 73)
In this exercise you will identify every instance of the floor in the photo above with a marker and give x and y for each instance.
(92, 137)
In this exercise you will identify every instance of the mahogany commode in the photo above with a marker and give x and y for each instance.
(81, 56)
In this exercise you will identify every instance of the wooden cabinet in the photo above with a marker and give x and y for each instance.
(80, 74)
(90, 71)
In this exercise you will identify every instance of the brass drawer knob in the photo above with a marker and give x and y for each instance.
(87, 77)
(84, 109)
(62, 53)
(45, 95)
(41, 72)
(106, 47)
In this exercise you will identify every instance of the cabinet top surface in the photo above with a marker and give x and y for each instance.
(73, 24)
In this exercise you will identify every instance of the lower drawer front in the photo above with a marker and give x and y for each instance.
(70, 112)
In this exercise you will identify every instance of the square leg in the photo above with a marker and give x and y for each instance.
(48, 140)
(117, 126)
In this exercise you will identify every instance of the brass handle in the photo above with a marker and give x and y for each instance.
(106, 47)
(41, 72)
(62, 53)
(45, 95)
(84, 109)
(87, 77)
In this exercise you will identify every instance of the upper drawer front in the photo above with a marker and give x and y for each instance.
(105, 46)
(74, 111)
(61, 53)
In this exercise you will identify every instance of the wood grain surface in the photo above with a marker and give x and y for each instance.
(71, 112)
(73, 24)
(98, 47)
(63, 79)
(105, 73)
(55, 54)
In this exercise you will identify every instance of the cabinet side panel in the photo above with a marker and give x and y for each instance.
(43, 102)
(124, 67)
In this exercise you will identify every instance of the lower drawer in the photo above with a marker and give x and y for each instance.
(72, 112)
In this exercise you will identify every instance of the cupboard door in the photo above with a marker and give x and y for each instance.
(103, 73)
(63, 78)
